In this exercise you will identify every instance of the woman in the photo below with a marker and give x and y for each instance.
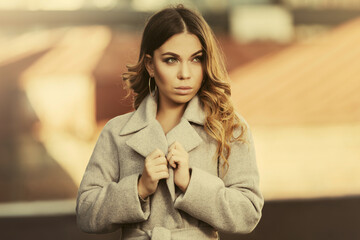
(182, 166)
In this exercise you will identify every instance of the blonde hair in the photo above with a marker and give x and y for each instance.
(214, 94)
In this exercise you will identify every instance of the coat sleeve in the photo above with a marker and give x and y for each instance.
(104, 202)
(232, 204)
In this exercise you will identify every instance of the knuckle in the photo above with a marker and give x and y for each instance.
(161, 161)
(148, 172)
(147, 165)
(152, 178)
(158, 151)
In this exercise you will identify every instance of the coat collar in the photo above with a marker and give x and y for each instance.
(147, 133)
(146, 114)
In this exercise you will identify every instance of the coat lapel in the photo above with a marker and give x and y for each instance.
(186, 135)
(147, 133)
(148, 139)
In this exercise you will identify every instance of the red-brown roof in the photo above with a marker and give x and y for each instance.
(317, 81)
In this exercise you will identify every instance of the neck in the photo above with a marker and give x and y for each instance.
(169, 114)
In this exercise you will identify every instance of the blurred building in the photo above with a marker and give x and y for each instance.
(293, 66)
(322, 4)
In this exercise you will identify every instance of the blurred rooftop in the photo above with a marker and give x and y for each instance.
(61, 81)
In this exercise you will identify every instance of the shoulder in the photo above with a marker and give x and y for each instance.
(243, 127)
(115, 124)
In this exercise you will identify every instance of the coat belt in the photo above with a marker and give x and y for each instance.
(161, 233)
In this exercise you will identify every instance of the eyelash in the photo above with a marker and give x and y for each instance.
(171, 60)
(200, 58)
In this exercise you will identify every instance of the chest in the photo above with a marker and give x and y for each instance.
(202, 156)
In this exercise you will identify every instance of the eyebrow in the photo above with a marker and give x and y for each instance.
(176, 55)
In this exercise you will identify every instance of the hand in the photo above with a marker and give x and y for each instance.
(155, 168)
(179, 160)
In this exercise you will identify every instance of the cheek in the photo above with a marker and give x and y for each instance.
(198, 74)
(163, 76)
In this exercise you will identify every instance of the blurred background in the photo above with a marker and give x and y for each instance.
(295, 73)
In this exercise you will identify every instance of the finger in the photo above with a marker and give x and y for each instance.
(156, 162)
(160, 168)
(156, 153)
(176, 156)
(176, 153)
(155, 177)
(169, 155)
(159, 161)
(159, 173)
(163, 175)
(154, 170)
(179, 160)
(179, 146)
(172, 162)
(151, 163)
(172, 146)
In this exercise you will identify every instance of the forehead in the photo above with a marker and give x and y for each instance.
(181, 44)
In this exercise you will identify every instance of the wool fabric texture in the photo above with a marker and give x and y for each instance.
(108, 197)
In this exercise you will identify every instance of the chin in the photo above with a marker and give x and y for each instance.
(183, 99)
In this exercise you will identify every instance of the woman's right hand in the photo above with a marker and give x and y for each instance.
(155, 168)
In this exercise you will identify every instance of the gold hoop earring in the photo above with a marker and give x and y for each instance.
(155, 88)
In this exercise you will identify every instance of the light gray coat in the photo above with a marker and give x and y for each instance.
(108, 198)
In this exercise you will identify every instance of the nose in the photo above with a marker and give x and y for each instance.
(184, 71)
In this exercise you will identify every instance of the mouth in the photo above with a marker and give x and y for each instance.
(184, 87)
(183, 90)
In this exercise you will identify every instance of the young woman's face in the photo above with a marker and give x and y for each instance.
(177, 68)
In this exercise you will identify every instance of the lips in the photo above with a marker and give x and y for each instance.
(183, 90)
(184, 87)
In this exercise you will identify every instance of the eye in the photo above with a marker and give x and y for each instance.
(198, 59)
(170, 60)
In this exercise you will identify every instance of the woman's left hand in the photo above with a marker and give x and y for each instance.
(178, 159)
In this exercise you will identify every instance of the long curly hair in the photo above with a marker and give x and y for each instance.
(214, 94)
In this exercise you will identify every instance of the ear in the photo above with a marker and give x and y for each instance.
(149, 64)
